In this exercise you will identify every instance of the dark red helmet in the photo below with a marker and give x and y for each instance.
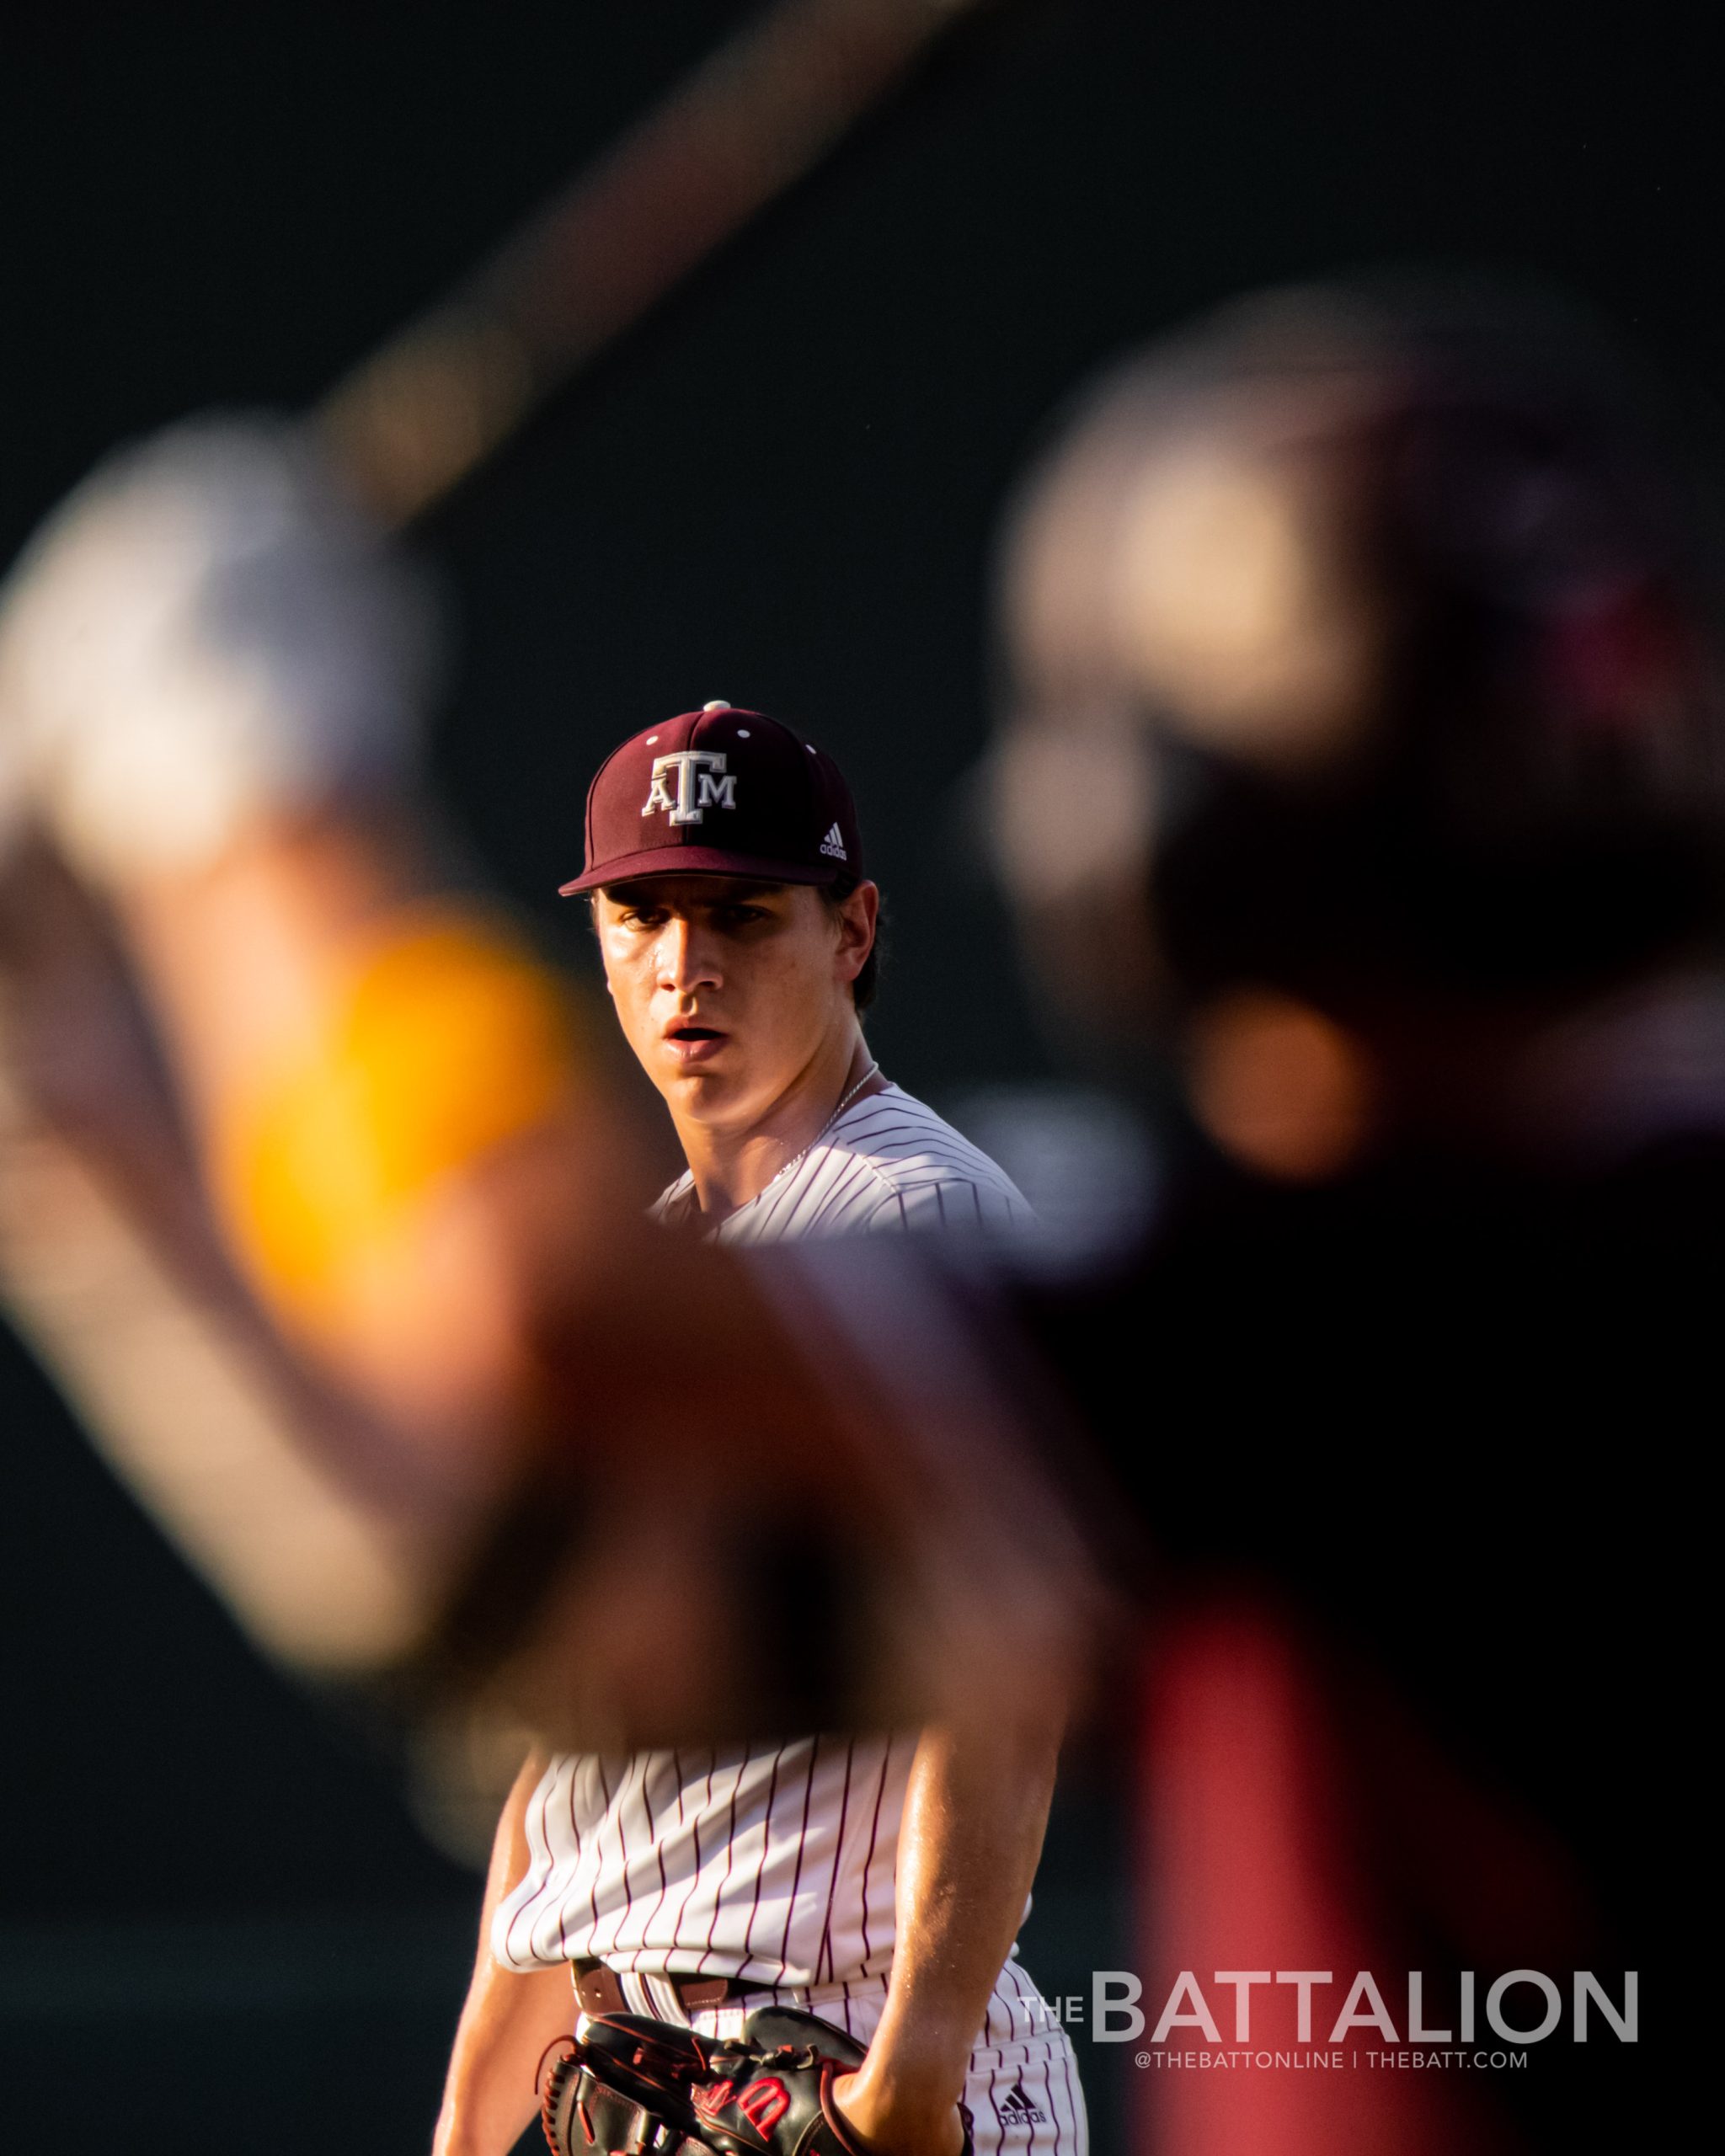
(1359, 640)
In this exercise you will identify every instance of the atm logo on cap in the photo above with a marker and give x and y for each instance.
(699, 786)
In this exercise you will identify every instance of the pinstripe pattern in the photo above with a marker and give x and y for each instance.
(773, 1868)
(889, 1164)
(777, 1867)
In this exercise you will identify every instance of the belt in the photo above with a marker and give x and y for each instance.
(599, 1991)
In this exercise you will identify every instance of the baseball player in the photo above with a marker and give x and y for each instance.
(876, 1879)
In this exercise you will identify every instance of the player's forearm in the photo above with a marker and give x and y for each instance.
(489, 2097)
(508, 2018)
(976, 1812)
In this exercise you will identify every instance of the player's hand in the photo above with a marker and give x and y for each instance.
(204, 631)
(892, 2125)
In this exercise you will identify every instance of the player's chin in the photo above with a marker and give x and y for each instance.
(705, 1089)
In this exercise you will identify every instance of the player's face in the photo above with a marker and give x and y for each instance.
(729, 991)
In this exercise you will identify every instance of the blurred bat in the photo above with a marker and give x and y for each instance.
(419, 414)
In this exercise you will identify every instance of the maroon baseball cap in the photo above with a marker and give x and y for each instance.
(719, 791)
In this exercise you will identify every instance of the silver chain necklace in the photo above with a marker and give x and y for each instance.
(796, 1159)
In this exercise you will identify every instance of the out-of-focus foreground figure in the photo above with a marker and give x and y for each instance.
(294, 1259)
(319, 1195)
(1362, 773)
(300, 1131)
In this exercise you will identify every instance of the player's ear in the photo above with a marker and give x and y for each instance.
(597, 925)
(858, 917)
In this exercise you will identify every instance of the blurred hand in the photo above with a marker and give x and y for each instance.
(205, 632)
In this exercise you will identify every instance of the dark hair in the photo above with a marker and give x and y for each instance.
(863, 989)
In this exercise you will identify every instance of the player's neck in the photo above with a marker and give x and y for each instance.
(732, 1164)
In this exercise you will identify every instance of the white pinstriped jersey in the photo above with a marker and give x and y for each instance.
(887, 1164)
(773, 1862)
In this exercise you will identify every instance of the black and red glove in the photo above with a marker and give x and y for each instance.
(630, 2086)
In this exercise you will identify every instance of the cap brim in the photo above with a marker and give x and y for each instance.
(698, 861)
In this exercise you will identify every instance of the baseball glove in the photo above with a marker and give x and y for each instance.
(626, 2085)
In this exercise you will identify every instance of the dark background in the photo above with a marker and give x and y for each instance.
(782, 492)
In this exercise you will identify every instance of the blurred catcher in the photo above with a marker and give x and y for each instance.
(1362, 655)
(1363, 673)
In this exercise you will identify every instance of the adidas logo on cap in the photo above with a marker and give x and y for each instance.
(833, 845)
